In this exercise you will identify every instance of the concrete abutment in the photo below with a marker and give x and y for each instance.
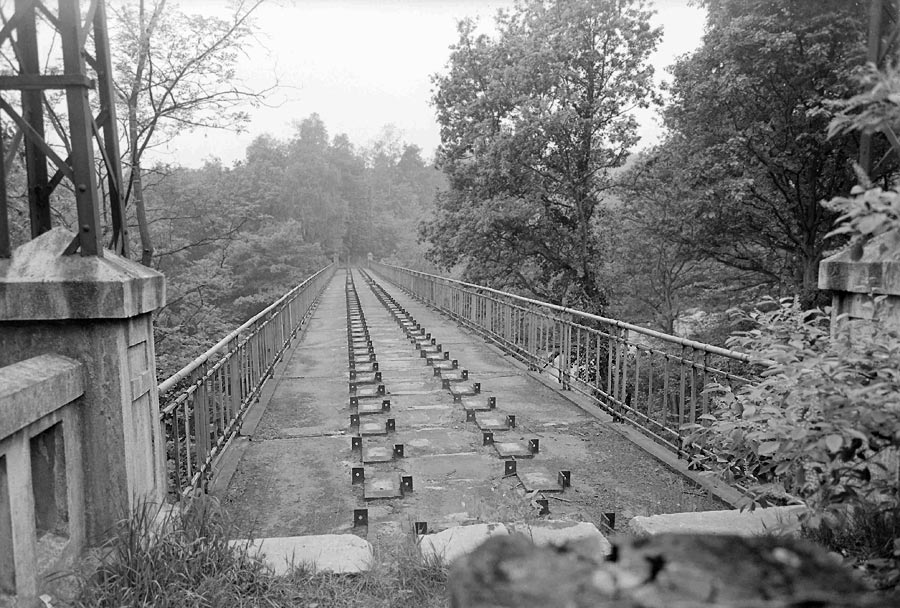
(96, 311)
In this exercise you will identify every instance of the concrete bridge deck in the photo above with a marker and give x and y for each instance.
(290, 472)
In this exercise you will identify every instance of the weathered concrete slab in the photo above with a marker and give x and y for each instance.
(556, 533)
(540, 480)
(378, 427)
(373, 407)
(460, 391)
(514, 449)
(339, 553)
(772, 520)
(479, 404)
(382, 485)
(292, 487)
(453, 543)
(377, 453)
(492, 422)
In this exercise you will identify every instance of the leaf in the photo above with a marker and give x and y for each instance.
(834, 442)
(768, 448)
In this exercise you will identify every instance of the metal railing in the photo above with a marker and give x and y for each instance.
(203, 404)
(654, 381)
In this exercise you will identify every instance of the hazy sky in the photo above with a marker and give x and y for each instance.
(363, 64)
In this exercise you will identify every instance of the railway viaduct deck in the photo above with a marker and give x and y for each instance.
(291, 471)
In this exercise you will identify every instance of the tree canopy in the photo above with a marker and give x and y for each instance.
(754, 103)
(231, 240)
(532, 122)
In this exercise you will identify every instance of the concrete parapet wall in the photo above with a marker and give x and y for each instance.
(866, 288)
(36, 387)
(42, 511)
(97, 311)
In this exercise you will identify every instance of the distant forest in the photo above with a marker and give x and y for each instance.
(231, 240)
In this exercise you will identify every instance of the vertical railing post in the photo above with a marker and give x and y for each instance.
(201, 419)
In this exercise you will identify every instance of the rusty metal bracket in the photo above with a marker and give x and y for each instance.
(398, 450)
(487, 437)
(470, 416)
(390, 425)
(354, 420)
(420, 527)
(360, 517)
(534, 446)
(511, 421)
(608, 520)
(565, 478)
(386, 405)
(406, 483)
(355, 444)
(509, 468)
(357, 475)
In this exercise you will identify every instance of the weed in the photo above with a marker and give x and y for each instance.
(867, 537)
(183, 557)
(160, 557)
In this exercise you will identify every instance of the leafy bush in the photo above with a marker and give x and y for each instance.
(821, 426)
(822, 423)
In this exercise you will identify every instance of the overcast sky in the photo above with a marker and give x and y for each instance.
(364, 64)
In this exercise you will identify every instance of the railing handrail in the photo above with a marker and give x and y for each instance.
(184, 372)
(715, 350)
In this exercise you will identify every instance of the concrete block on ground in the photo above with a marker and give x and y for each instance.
(556, 533)
(771, 520)
(458, 541)
(339, 553)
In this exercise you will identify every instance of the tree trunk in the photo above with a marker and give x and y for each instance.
(137, 189)
(809, 281)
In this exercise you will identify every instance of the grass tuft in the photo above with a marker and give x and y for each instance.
(868, 538)
(167, 558)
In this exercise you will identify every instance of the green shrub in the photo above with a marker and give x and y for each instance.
(821, 423)
(820, 426)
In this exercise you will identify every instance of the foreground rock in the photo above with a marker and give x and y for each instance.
(669, 570)
(772, 520)
(338, 553)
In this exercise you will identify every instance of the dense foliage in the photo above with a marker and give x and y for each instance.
(231, 240)
(533, 121)
(754, 103)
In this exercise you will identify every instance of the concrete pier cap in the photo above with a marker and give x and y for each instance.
(865, 288)
(38, 282)
(98, 311)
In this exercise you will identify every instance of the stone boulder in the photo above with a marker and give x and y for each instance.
(664, 571)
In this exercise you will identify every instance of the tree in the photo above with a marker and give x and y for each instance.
(531, 122)
(755, 103)
(175, 72)
(658, 270)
